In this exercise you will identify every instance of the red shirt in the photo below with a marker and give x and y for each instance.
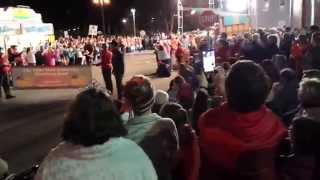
(106, 60)
(5, 66)
(225, 135)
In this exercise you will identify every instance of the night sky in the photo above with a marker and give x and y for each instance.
(66, 14)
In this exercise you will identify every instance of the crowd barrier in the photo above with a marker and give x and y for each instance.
(51, 77)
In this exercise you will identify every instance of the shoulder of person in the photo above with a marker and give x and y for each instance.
(166, 122)
(212, 115)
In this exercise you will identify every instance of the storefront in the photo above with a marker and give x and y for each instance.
(23, 27)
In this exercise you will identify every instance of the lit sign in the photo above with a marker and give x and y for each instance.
(21, 13)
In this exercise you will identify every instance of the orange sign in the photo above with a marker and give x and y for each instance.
(51, 77)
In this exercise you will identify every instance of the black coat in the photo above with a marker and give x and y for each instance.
(118, 61)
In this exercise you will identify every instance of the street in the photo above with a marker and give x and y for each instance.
(30, 125)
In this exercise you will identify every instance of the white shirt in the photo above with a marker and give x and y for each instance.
(31, 58)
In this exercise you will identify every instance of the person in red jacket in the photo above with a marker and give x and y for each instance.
(5, 69)
(243, 124)
(298, 51)
(106, 65)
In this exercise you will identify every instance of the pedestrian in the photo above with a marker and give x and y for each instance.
(188, 157)
(49, 57)
(241, 128)
(30, 56)
(157, 136)
(39, 57)
(94, 146)
(5, 69)
(106, 66)
(118, 51)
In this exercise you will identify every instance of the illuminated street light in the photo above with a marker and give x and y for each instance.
(124, 20)
(133, 11)
(102, 3)
(193, 12)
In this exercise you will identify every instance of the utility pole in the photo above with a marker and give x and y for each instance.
(180, 17)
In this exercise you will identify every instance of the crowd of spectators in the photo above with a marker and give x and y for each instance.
(69, 51)
(255, 117)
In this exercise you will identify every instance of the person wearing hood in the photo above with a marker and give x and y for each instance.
(240, 126)
(157, 136)
(93, 146)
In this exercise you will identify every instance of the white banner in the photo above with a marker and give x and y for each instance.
(93, 30)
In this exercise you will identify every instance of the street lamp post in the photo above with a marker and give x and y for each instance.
(102, 3)
(124, 22)
(133, 11)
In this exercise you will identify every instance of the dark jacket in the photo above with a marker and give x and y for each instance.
(118, 61)
(158, 137)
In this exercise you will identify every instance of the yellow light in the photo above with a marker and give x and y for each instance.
(102, 2)
(106, 1)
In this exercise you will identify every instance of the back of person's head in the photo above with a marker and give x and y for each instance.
(247, 87)
(92, 119)
(309, 92)
(160, 99)
(316, 38)
(200, 106)
(272, 39)
(178, 81)
(280, 61)
(175, 112)
(271, 70)
(288, 75)
(139, 94)
(104, 46)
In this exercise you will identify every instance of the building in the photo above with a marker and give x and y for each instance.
(270, 13)
(305, 13)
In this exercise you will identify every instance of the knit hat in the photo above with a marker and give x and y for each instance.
(161, 97)
(140, 94)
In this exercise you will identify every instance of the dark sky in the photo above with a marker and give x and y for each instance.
(65, 14)
(70, 13)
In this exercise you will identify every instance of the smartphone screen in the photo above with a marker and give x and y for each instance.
(209, 61)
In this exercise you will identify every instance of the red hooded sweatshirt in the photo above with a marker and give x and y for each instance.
(225, 135)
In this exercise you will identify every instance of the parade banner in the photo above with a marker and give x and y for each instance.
(51, 77)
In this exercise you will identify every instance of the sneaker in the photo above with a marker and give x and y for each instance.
(10, 97)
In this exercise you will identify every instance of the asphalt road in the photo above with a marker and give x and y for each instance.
(30, 125)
